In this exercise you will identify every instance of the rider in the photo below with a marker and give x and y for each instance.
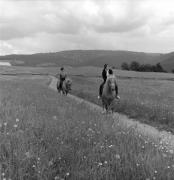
(104, 76)
(62, 77)
(111, 74)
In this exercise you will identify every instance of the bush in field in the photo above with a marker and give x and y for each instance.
(125, 66)
(135, 66)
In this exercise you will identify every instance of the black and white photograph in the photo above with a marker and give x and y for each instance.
(86, 90)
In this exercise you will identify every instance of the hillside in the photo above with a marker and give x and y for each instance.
(168, 62)
(82, 58)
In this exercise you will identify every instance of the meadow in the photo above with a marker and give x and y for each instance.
(45, 136)
(146, 97)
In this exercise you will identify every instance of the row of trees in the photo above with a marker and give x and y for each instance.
(135, 66)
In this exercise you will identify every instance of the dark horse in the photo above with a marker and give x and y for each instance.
(66, 86)
(109, 94)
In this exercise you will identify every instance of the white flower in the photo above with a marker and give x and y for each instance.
(28, 154)
(15, 126)
(99, 164)
(117, 156)
(56, 177)
(17, 120)
(67, 174)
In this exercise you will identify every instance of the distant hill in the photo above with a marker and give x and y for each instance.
(84, 58)
(168, 61)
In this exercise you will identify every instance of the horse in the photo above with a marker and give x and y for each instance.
(66, 86)
(109, 94)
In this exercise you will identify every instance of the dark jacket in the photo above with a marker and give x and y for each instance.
(104, 74)
(62, 76)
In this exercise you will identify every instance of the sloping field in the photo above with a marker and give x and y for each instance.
(148, 97)
(145, 99)
(47, 136)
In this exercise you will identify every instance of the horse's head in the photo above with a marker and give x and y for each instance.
(111, 84)
(68, 84)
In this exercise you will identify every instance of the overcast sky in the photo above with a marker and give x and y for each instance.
(30, 26)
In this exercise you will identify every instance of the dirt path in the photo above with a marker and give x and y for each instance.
(161, 137)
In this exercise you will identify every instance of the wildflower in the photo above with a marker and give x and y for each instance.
(50, 163)
(138, 164)
(17, 120)
(38, 158)
(15, 126)
(5, 123)
(99, 164)
(142, 147)
(56, 178)
(111, 146)
(34, 166)
(67, 174)
(28, 154)
(117, 156)
(3, 174)
(155, 172)
(168, 167)
(154, 178)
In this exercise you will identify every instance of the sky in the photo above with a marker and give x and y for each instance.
(32, 26)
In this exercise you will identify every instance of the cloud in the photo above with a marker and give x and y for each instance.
(23, 18)
(45, 25)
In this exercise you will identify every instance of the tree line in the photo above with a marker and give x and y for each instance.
(135, 66)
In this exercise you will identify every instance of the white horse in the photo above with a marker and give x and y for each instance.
(66, 86)
(109, 94)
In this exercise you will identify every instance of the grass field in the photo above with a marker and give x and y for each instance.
(46, 136)
(150, 101)
(148, 97)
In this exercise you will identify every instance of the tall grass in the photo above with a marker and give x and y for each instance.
(149, 101)
(46, 136)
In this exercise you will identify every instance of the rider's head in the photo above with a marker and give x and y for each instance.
(62, 68)
(110, 71)
(105, 66)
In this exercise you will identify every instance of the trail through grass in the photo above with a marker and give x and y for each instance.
(149, 101)
(47, 136)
